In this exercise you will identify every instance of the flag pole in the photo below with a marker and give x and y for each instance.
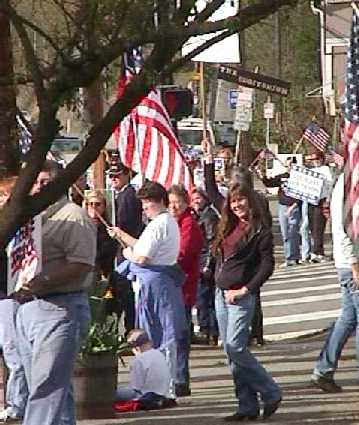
(298, 145)
(203, 101)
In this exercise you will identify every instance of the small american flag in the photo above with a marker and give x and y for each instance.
(333, 157)
(145, 138)
(317, 136)
(25, 137)
(351, 134)
(266, 154)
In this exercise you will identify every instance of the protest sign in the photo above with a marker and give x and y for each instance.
(305, 184)
(24, 255)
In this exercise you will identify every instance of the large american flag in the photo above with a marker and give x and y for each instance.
(350, 134)
(145, 138)
(316, 135)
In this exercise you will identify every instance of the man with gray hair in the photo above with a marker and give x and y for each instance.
(52, 323)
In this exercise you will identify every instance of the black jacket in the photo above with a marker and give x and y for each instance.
(251, 264)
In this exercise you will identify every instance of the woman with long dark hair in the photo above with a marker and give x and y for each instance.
(244, 252)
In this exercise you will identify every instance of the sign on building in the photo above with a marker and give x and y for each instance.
(253, 80)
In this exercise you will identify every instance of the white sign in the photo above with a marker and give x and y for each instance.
(24, 255)
(241, 126)
(305, 184)
(225, 51)
(269, 110)
(244, 114)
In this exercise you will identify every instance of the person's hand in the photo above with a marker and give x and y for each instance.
(232, 295)
(114, 232)
(127, 253)
(355, 272)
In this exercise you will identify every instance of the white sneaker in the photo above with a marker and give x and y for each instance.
(8, 416)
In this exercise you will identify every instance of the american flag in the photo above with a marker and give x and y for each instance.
(351, 134)
(25, 137)
(266, 154)
(145, 138)
(333, 157)
(317, 136)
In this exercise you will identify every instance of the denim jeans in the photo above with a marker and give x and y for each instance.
(50, 332)
(305, 232)
(127, 394)
(183, 351)
(206, 312)
(344, 326)
(289, 227)
(249, 376)
(16, 386)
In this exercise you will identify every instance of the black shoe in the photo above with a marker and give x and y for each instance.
(182, 390)
(270, 408)
(325, 384)
(237, 417)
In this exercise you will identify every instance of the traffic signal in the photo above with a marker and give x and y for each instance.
(178, 102)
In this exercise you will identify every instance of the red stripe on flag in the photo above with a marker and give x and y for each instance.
(158, 167)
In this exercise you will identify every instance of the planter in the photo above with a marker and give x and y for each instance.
(95, 383)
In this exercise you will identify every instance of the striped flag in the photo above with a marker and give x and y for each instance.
(333, 157)
(317, 136)
(145, 138)
(351, 134)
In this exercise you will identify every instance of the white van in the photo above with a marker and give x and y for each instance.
(190, 133)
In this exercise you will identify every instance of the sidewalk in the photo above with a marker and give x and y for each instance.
(291, 364)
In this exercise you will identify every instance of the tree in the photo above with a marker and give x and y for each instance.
(85, 38)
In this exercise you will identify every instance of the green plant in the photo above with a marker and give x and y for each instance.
(103, 336)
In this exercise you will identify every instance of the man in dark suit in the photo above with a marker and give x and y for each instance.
(129, 219)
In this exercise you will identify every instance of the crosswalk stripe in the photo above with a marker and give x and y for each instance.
(304, 317)
(302, 279)
(299, 290)
(303, 273)
(301, 300)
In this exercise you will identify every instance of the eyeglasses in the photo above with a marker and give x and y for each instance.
(95, 204)
(116, 176)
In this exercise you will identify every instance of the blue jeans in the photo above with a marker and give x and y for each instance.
(249, 376)
(183, 351)
(16, 386)
(305, 232)
(206, 311)
(50, 332)
(289, 227)
(344, 326)
(127, 394)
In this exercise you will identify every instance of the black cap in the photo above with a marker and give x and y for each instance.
(118, 168)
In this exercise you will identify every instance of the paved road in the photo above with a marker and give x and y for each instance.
(290, 362)
(300, 300)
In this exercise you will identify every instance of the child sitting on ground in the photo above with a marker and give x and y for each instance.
(149, 373)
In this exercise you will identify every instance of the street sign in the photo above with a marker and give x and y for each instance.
(253, 80)
(269, 110)
(241, 95)
(241, 126)
(243, 113)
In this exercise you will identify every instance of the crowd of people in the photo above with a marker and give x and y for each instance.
(167, 251)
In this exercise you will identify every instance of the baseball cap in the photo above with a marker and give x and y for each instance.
(117, 168)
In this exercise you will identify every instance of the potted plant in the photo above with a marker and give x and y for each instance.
(96, 371)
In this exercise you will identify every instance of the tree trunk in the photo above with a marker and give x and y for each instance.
(9, 154)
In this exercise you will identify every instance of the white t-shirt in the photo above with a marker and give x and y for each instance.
(160, 241)
(149, 372)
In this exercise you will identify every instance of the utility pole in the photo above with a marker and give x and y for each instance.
(9, 147)
(243, 139)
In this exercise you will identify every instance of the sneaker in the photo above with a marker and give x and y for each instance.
(327, 385)
(286, 264)
(9, 417)
(239, 417)
(270, 408)
(314, 258)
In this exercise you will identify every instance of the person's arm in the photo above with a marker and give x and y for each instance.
(119, 234)
(211, 187)
(137, 375)
(266, 265)
(133, 257)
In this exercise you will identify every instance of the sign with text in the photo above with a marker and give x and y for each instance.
(253, 80)
(268, 110)
(24, 255)
(305, 184)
